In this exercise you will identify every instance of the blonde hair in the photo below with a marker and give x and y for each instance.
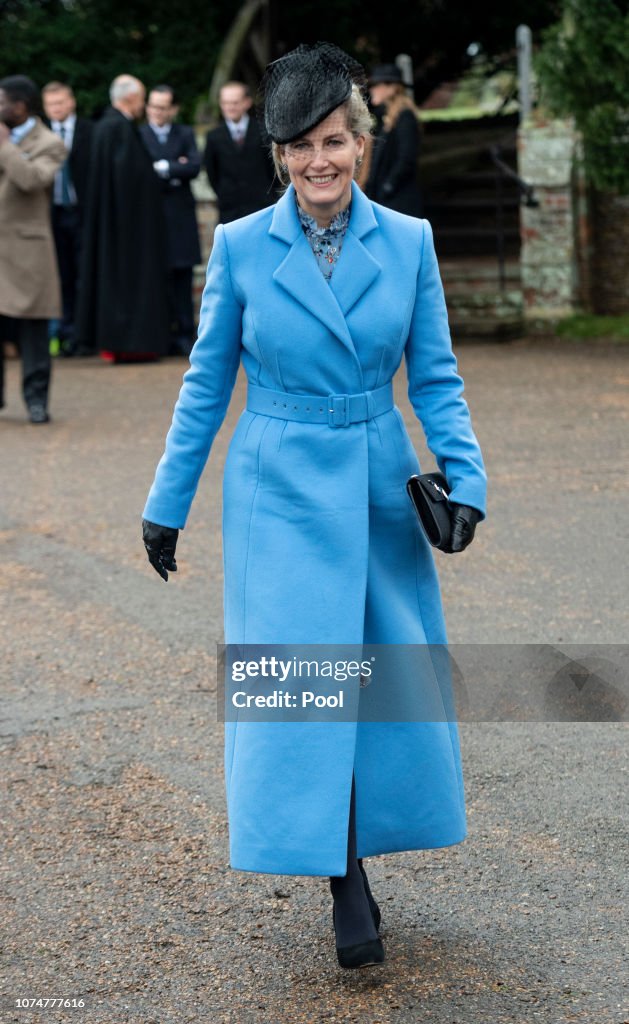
(56, 87)
(399, 101)
(358, 121)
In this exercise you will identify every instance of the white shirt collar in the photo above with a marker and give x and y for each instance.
(17, 134)
(68, 124)
(238, 127)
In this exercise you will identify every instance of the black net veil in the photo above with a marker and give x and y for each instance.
(300, 89)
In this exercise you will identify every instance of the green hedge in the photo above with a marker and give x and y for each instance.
(583, 70)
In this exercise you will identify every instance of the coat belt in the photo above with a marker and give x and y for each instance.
(334, 410)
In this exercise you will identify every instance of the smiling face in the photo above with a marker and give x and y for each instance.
(321, 165)
(160, 109)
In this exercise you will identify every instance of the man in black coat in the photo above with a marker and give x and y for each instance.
(122, 304)
(176, 161)
(237, 158)
(68, 198)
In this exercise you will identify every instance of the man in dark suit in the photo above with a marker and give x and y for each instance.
(68, 198)
(176, 160)
(237, 158)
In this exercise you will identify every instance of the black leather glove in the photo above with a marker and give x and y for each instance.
(464, 520)
(160, 543)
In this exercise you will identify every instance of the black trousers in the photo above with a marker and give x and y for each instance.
(66, 228)
(31, 337)
(180, 303)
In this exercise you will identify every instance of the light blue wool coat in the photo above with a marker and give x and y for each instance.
(320, 541)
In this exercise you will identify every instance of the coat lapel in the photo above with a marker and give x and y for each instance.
(356, 269)
(299, 275)
(172, 143)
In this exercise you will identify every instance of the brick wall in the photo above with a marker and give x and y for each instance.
(610, 265)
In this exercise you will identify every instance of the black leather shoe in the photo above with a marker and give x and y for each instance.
(373, 906)
(361, 954)
(37, 414)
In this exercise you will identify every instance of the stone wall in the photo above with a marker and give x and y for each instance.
(555, 234)
(575, 244)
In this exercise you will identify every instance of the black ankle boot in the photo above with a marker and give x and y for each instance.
(373, 906)
(360, 954)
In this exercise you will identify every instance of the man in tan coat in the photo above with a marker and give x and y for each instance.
(30, 156)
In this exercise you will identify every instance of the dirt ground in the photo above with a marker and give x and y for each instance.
(116, 885)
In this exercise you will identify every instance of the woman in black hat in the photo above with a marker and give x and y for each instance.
(393, 173)
(320, 298)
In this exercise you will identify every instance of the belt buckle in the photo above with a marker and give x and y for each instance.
(338, 411)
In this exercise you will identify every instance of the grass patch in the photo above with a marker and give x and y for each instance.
(459, 113)
(587, 325)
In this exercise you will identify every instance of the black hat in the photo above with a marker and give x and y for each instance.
(385, 73)
(304, 86)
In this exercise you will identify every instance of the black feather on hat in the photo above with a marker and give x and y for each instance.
(301, 88)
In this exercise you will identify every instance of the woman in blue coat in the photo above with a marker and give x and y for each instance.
(320, 297)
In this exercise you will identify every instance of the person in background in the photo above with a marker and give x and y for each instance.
(176, 161)
(68, 198)
(237, 159)
(122, 305)
(30, 156)
(393, 174)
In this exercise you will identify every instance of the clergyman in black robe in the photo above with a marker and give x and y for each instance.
(122, 303)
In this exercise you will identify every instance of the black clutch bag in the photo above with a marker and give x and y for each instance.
(429, 494)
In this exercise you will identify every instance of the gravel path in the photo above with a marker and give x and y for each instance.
(115, 881)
